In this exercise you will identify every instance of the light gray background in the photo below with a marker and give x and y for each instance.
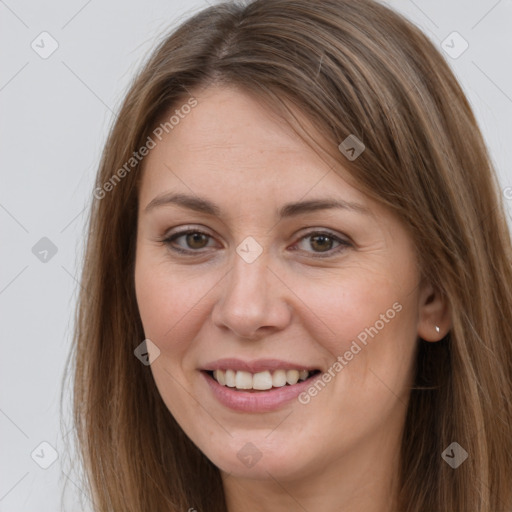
(55, 116)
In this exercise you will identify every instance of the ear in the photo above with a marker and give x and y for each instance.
(434, 319)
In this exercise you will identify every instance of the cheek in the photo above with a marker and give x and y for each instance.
(169, 301)
(344, 307)
(366, 323)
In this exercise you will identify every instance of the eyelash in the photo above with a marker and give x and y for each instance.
(344, 244)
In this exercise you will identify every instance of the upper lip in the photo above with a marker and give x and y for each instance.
(255, 366)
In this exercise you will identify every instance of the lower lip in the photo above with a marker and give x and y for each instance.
(256, 401)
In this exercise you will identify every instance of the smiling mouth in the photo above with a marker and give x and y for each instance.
(260, 381)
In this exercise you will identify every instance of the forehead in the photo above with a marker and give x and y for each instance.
(230, 141)
(230, 124)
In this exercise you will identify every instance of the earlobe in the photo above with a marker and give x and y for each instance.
(434, 319)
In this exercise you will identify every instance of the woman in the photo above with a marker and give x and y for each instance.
(297, 286)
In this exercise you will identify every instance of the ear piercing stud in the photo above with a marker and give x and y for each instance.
(438, 329)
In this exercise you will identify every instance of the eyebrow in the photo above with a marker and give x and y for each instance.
(203, 205)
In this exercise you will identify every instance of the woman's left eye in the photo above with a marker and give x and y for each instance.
(321, 242)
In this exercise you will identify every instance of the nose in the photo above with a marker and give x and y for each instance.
(253, 301)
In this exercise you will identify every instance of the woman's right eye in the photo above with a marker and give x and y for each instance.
(192, 239)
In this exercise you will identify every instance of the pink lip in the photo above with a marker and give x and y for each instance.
(258, 365)
(256, 401)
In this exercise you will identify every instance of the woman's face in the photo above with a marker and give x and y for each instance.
(272, 280)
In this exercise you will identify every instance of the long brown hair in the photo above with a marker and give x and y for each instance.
(352, 67)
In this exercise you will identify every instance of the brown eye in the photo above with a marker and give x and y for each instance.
(322, 245)
(196, 240)
(188, 241)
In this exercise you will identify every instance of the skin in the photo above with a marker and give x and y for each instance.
(339, 451)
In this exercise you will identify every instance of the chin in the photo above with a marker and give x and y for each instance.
(254, 457)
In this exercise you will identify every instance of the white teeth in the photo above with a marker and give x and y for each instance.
(243, 380)
(229, 378)
(219, 376)
(260, 381)
(279, 378)
(292, 376)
